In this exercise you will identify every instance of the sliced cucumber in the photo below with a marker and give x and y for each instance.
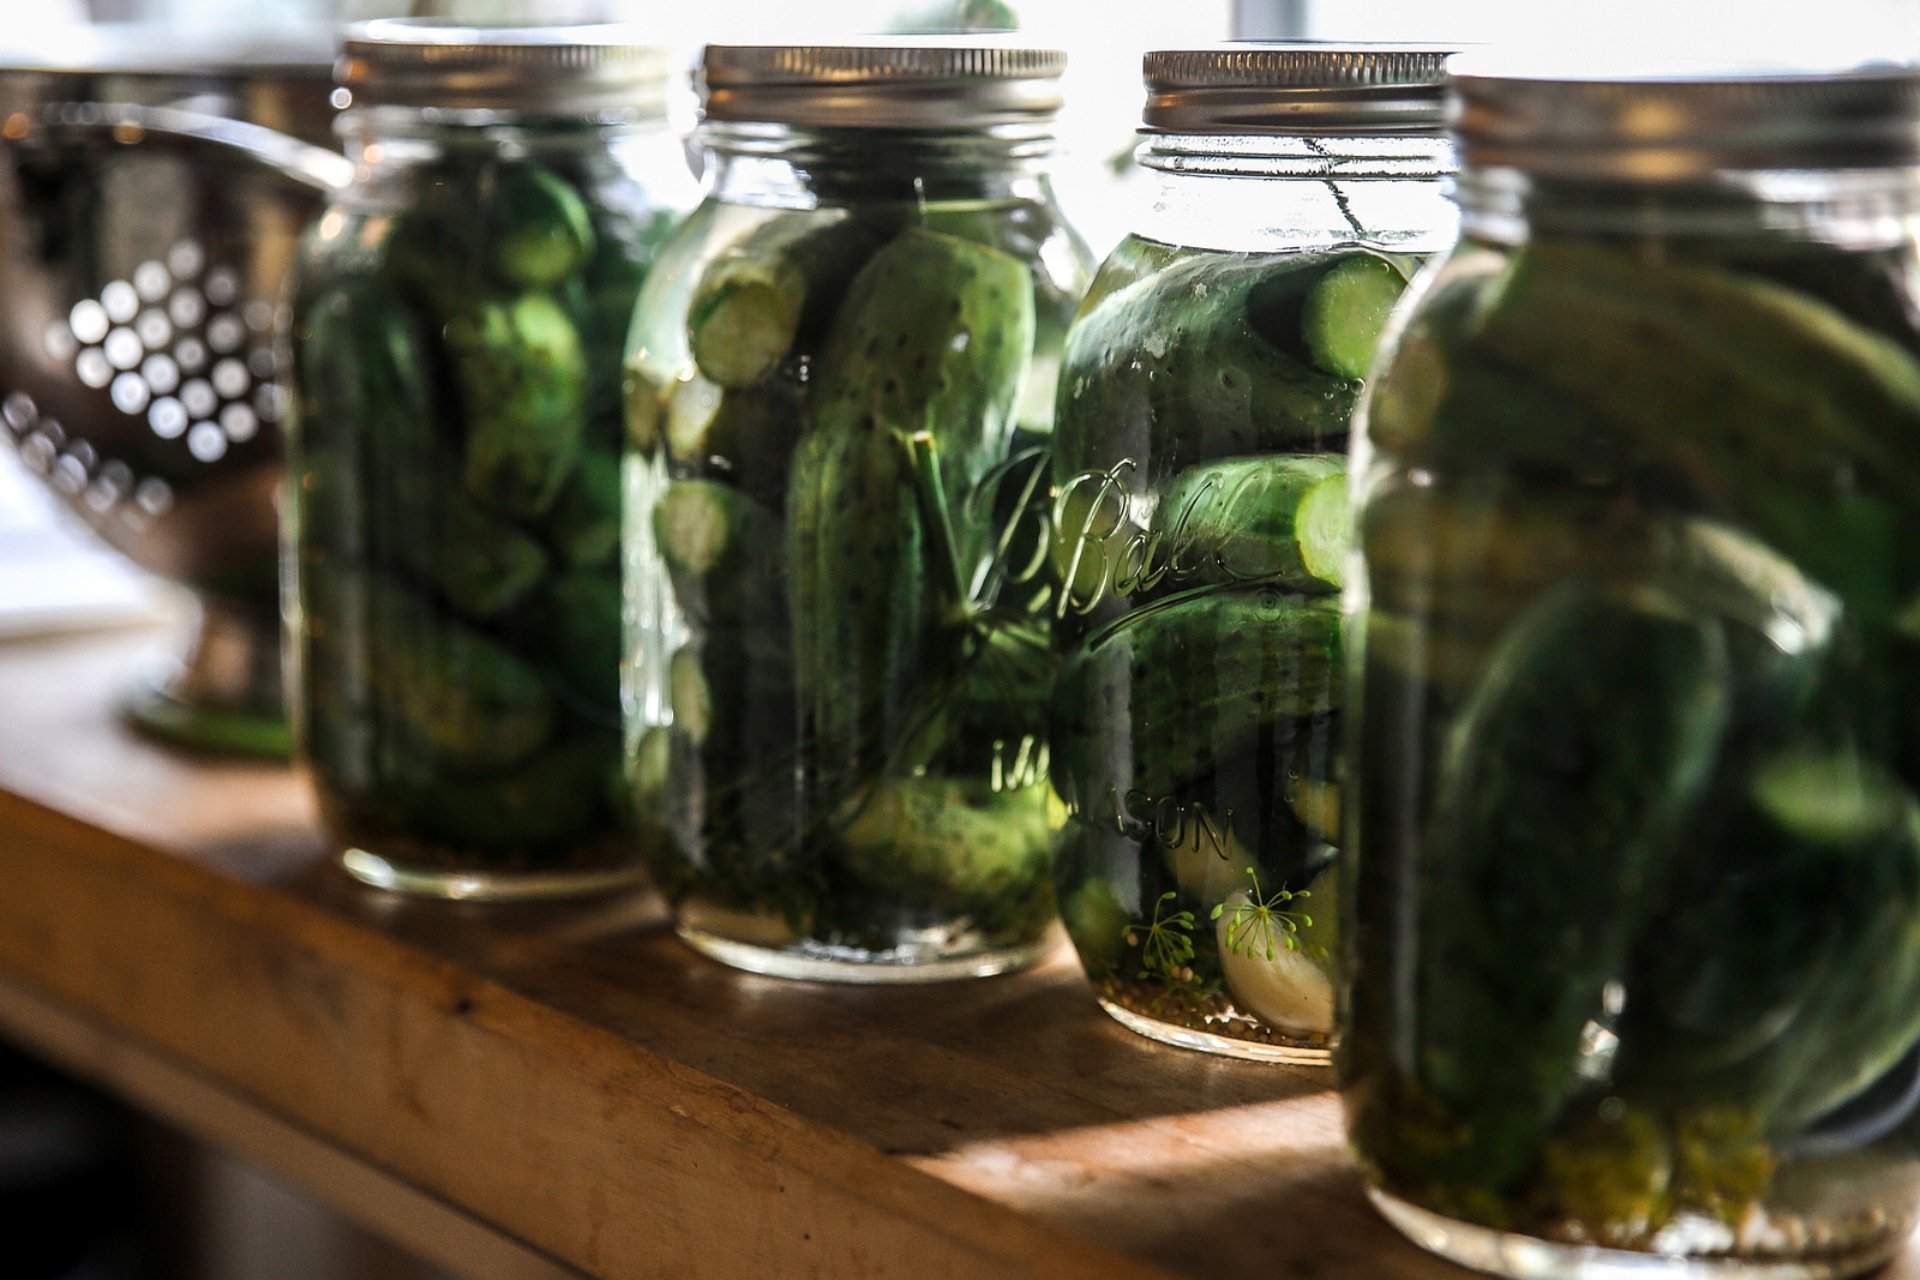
(690, 695)
(1346, 310)
(1828, 797)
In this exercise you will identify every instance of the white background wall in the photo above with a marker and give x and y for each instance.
(1773, 29)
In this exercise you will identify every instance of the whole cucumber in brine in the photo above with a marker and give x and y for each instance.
(913, 403)
(1202, 679)
(515, 224)
(1783, 981)
(1752, 370)
(1243, 520)
(521, 378)
(538, 229)
(947, 842)
(935, 337)
(463, 703)
(1564, 790)
(1204, 359)
(370, 422)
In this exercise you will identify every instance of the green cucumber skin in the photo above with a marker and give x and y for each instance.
(482, 499)
(1783, 981)
(807, 261)
(955, 373)
(1559, 800)
(1236, 521)
(364, 360)
(462, 704)
(737, 575)
(538, 227)
(861, 611)
(919, 363)
(1180, 359)
(520, 375)
(1193, 682)
(899, 362)
(1768, 965)
(1645, 347)
(515, 225)
(553, 801)
(947, 843)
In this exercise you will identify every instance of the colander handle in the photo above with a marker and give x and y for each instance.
(130, 125)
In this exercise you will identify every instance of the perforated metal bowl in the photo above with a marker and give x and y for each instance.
(151, 196)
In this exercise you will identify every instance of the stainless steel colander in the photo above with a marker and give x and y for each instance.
(151, 196)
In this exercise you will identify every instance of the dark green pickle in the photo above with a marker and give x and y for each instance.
(455, 522)
(1635, 908)
(838, 417)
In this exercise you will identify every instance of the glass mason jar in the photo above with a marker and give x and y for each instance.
(841, 395)
(1634, 918)
(453, 524)
(1200, 531)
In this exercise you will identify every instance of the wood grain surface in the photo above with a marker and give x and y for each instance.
(585, 1093)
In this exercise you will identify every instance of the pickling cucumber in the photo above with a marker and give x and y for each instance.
(1181, 358)
(520, 375)
(463, 702)
(1783, 981)
(1751, 369)
(1563, 791)
(1268, 519)
(946, 842)
(1203, 678)
(924, 359)
(480, 564)
(779, 285)
(537, 227)
(935, 336)
(1345, 311)
(551, 801)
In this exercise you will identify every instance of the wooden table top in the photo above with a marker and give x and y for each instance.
(555, 1091)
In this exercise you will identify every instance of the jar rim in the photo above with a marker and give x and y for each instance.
(1669, 120)
(1302, 87)
(563, 67)
(914, 83)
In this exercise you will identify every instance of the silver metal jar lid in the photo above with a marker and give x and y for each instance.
(564, 68)
(905, 84)
(1296, 88)
(1680, 122)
